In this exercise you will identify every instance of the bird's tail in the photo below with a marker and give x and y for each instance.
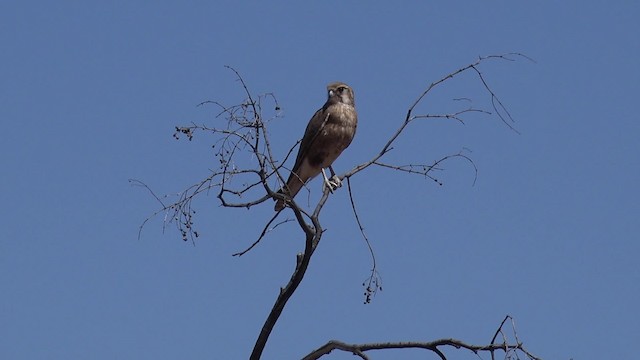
(292, 188)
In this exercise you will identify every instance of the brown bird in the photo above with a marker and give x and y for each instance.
(328, 133)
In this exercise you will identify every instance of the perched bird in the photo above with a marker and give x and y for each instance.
(328, 133)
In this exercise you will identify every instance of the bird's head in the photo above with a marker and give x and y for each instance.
(340, 92)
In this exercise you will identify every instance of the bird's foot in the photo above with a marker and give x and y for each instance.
(332, 184)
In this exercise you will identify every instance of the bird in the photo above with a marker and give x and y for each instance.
(330, 131)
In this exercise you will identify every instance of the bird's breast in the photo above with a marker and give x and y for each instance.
(336, 135)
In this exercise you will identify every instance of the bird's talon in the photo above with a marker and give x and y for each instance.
(328, 185)
(332, 184)
(335, 182)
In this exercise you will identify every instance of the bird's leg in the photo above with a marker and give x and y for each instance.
(335, 180)
(332, 183)
(326, 183)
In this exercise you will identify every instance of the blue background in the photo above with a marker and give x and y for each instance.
(90, 94)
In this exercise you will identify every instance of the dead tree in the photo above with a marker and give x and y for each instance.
(250, 174)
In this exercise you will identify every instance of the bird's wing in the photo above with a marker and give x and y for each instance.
(314, 128)
(299, 176)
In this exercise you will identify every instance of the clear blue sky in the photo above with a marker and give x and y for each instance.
(89, 96)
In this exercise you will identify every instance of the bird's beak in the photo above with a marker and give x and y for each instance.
(330, 92)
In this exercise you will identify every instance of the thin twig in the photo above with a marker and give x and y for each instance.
(265, 230)
(373, 284)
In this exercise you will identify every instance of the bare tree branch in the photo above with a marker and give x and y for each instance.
(511, 351)
(409, 117)
(312, 239)
(360, 349)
